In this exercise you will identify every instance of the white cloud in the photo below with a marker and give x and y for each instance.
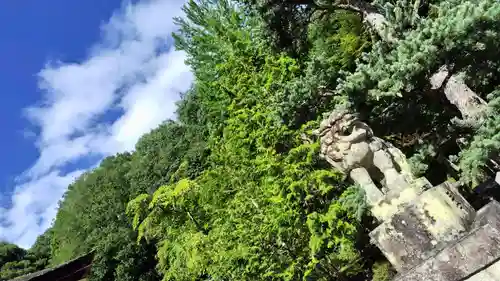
(34, 205)
(133, 70)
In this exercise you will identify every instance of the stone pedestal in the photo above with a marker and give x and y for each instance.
(474, 256)
(433, 234)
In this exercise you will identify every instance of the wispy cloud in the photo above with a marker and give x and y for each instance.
(134, 71)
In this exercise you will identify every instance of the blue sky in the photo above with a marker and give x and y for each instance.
(72, 95)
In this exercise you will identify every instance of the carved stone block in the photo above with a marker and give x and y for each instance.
(404, 240)
(474, 256)
(422, 225)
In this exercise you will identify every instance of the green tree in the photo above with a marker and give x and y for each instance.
(265, 207)
(92, 217)
(10, 252)
(15, 261)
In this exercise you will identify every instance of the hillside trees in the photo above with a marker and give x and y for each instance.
(265, 206)
(15, 261)
(10, 252)
(91, 217)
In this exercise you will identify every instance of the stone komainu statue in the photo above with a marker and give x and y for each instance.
(349, 145)
(426, 232)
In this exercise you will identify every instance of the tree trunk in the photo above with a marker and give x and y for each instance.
(376, 21)
(380, 25)
(371, 16)
(470, 105)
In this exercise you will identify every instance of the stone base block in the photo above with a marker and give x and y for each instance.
(417, 230)
(475, 255)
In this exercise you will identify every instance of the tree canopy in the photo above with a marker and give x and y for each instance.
(15, 261)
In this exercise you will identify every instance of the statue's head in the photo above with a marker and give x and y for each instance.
(338, 132)
(344, 126)
(349, 145)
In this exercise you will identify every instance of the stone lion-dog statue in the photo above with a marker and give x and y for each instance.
(349, 145)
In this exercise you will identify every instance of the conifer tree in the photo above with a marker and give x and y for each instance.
(399, 25)
(431, 48)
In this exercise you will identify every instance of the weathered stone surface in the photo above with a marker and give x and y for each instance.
(422, 225)
(395, 199)
(446, 214)
(404, 239)
(488, 215)
(468, 256)
(490, 273)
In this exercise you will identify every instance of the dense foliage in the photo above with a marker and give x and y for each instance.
(233, 189)
(265, 207)
(15, 261)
